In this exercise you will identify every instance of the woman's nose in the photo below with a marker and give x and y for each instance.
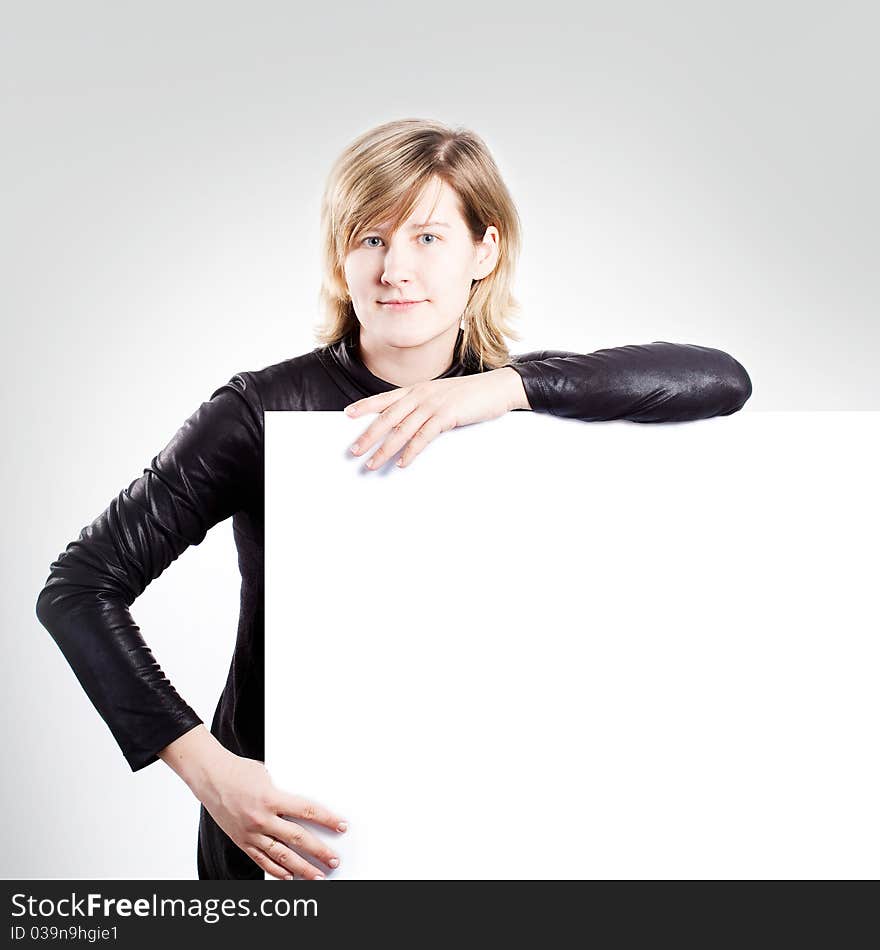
(397, 266)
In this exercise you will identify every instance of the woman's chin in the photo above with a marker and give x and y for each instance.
(407, 329)
(398, 332)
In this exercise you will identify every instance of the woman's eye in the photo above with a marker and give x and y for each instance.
(373, 237)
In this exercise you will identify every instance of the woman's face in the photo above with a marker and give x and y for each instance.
(430, 260)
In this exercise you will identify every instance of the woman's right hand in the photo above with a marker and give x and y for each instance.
(241, 797)
(245, 803)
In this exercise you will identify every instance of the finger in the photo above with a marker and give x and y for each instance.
(399, 436)
(428, 432)
(295, 836)
(390, 416)
(266, 863)
(373, 403)
(279, 854)
(295, 806)
(360, 408)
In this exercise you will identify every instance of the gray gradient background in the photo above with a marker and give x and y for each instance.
(693, 172)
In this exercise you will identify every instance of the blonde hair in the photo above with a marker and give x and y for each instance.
(380, 177)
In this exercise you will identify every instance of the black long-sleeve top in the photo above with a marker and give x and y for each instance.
(212, 469)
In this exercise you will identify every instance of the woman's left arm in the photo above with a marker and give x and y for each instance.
(654, 382)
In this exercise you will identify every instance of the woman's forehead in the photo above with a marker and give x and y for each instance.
(438, 203)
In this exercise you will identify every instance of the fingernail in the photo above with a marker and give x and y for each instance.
(400, 463)
(355, 448)
(350, 411)
(288, 877)
(318, 877)
(333, 862)
(342, 826)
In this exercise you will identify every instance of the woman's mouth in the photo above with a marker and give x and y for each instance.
(396, 305)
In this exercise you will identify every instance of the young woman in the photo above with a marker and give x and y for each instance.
(420, 238)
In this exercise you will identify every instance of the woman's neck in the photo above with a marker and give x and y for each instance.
(407, 365)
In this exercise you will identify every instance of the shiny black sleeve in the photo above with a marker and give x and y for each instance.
(203, 476)
(655, 382)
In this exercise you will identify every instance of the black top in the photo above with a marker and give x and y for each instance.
(213, 469)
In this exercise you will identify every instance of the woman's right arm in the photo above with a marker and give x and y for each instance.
(200, 478)
(212, 468)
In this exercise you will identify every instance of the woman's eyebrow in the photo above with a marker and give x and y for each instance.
(414, 227)
(429, 224)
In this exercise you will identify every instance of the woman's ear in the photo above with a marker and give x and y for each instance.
(487, 253)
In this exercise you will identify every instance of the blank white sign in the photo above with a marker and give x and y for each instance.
(556, 649)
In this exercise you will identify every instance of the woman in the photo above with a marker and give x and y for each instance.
(420, 238)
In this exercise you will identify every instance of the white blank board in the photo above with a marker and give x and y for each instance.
(557, 649)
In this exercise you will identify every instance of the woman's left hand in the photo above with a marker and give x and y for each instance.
(419, 413)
